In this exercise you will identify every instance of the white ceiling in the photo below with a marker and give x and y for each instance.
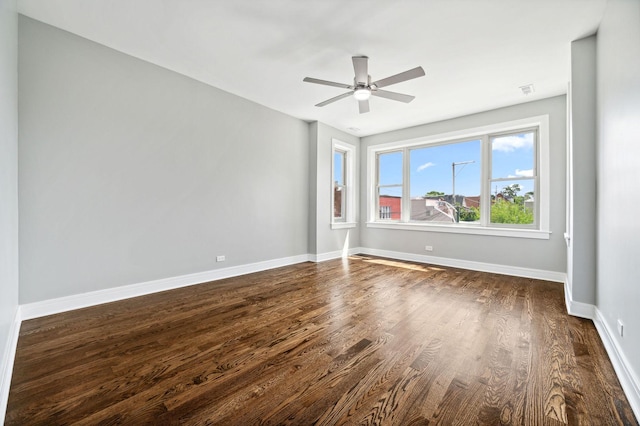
(476, 53)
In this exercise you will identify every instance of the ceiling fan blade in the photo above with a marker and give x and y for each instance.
(363, 106)
(327, 83)
(393, 95)
(337, 98)
(361, 68)
(398, 78)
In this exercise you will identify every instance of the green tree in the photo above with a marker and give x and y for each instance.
(503, 211)
(470, 214)
(434, 194)
(511, 191)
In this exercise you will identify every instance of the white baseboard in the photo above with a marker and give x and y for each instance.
(628, 378)
(334, 254)
(78, 301)
(467, 264)
(577, 309)
(6, 368)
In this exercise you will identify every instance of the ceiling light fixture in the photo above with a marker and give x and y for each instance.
(527, 89)
(362, 93)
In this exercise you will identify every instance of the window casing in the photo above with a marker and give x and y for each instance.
(488, 199)
(342, 185)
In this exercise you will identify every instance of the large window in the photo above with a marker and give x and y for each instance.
(342, 185)
(490, 180)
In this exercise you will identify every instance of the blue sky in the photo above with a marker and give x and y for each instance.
(431, 168)
(513, 156)
(337, 167)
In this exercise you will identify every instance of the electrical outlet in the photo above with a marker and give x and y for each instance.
(428, 248)
(220, 258)
(620, 328)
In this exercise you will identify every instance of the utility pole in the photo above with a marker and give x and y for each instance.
(453, 177)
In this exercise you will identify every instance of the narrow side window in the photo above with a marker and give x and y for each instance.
(343, 185)
(339, 186)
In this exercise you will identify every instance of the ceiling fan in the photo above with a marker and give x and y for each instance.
(363, 87)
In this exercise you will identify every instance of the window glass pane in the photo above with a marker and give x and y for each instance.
(445, 182)
(513, 178)
(339, 200)
(512, 156)
(338, 167)
(390, 202)
(390, 168)
(513, 201)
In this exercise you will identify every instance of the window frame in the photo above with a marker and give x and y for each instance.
(343, 186)
(536, 177)
(348, 219)
(393, 185)
(539, 230)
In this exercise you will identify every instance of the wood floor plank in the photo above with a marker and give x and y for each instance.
(364, 340)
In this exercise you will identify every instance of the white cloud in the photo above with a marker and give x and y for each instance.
(425, 166)
(524, 173)
(512, 142)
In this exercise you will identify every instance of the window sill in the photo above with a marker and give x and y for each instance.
(464, 229)
(343, 225)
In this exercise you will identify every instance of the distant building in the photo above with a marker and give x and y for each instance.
(432, 209)
(529, 203)
(471, 202)
(426, 209)
(337, 201)
(390, 207)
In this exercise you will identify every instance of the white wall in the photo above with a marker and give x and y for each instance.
(544, 255)
(618, 149)
(8, 190)
(327, 240)
(130, 172)
(582, 186)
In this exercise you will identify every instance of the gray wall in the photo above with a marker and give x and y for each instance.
(8, 180)
(582, 187)
(130, 172)
(618, 68)
(547, 255)
(327, 240)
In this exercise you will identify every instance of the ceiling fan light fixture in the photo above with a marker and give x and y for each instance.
(362, 93)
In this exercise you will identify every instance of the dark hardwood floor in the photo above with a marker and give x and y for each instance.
(359, 341)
